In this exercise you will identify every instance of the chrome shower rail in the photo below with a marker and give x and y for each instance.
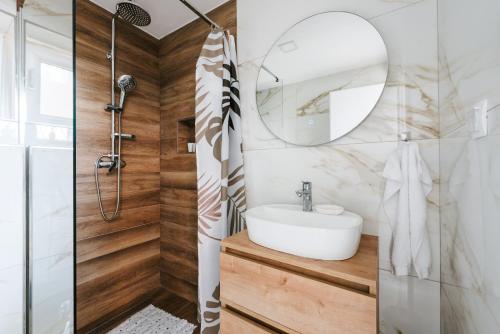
(200, 14)
(135, 15)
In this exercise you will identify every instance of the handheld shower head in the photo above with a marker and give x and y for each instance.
(126, 83)
(133, 13)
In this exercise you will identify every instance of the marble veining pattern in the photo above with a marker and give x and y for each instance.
(347, 175)
(348, 171)
(408, 305)
(469, 63)
(409, 101)
(468, 59)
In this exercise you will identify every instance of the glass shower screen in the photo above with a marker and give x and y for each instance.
(36, 169)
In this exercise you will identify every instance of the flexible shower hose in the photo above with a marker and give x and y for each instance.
(118, 185)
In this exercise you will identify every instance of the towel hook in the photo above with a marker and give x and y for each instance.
(405, 136)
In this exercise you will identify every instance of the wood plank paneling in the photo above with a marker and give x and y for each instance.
(301, 303)
(232, 322)
(360, 272)
(93, 248)
(179, 52)
(118, 262)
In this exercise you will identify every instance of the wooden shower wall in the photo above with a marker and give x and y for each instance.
(117, 262)
(179, 52)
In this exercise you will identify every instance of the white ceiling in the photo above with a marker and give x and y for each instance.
(166, 15)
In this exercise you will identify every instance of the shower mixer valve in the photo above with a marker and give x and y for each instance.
(110, 164)
(110, 108)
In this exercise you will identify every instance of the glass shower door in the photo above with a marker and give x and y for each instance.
(12, 183)
(36, 169)
(470, 165)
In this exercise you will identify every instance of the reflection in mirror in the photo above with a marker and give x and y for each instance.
(322, 78)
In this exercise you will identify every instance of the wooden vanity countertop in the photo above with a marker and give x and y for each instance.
(358, 273)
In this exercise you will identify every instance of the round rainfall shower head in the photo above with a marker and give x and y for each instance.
(126, 83)
(133, 13)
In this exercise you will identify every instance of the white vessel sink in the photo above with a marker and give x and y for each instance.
(288, 229)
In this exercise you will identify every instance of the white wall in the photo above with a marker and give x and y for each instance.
(11, 239)
(348, 171)
(51, 208)
(470, 232)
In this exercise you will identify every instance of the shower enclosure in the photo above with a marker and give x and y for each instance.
(135, 15)
(36, 167)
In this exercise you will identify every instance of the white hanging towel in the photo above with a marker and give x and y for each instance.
(408, 184)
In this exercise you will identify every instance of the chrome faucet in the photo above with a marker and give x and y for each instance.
(306, 195)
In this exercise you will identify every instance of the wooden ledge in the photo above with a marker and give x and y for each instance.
(358, 273)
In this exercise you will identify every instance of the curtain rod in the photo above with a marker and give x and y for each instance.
(200, 14)
(271, 73)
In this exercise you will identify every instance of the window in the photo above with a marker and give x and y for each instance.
(56, 91)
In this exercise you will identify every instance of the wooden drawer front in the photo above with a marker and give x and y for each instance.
(233, 323)
(302, 304)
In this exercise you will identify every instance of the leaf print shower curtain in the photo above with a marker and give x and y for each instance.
(221, 185)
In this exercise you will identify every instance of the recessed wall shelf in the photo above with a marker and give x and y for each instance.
(185, 134)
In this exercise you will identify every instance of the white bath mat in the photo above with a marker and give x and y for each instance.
(152, 320)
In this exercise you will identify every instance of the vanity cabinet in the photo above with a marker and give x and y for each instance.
(266, 291)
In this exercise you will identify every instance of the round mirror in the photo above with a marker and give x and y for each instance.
(322, 78)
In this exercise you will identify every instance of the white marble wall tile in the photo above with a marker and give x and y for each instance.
(52, 219)
(11, 244)
(408, 305)
(469, 60)
(409, 101)
(470, 234)
(348, 171)
(412, 87)
(470, 215)
(11, 300)
(494, 120)
(8, 6)
(469, 311)
(347, 175)
(53, 294)
(261, 22)
(453, 259)
(52, 201)
(469, 74)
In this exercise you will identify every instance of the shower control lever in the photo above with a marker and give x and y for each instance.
(126, 136)
(110, 108)
(110, 165)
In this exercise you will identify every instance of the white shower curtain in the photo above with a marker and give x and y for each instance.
(221, 187)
